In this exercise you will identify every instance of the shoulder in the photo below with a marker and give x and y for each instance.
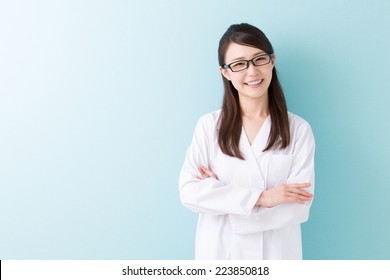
(209, 120)
(211, 117)
(297, 122)
(206, 126)
(299, 127)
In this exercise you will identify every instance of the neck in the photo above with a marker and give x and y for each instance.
(253, 108)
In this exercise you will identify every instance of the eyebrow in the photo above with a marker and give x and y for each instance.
(243, 58)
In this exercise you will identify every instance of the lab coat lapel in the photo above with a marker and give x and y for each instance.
(259, 143)
(245, 146)
(251, 153)
(261, 139)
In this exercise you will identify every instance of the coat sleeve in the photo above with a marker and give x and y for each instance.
(302, 171)
(210, 195)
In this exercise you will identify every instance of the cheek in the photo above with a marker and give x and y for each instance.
(270, 72)
(236, 84)
(236, 80)
(270, 76)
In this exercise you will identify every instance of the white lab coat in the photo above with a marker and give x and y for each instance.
(230, 226)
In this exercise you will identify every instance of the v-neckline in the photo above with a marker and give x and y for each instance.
(260, 140)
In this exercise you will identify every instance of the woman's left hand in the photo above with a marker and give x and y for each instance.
(206, 173)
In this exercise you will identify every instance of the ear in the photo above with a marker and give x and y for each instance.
(273, 58)
(224, 72)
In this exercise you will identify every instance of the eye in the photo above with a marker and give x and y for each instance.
(261, 59)
(238, 65)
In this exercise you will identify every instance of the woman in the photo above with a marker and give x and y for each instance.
(249, 171)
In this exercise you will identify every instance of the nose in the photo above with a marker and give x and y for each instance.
(252, 69)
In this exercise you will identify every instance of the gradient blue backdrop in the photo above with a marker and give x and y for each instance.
(98, 102)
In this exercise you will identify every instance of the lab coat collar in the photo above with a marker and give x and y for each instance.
(252, 152)
(259, 143)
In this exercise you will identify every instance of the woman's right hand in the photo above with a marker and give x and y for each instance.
(286, 193)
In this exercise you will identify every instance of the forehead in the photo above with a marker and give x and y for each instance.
(236, 51)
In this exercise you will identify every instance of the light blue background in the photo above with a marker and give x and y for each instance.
(98, 102)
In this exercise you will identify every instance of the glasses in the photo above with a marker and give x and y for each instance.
(241, 65)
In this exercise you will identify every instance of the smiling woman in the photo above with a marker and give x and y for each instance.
(249, 171)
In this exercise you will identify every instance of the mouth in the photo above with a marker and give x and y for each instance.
(254, 83)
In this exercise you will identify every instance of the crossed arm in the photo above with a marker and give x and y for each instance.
(285, 193)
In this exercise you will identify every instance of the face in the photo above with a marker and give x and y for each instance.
(254, 81)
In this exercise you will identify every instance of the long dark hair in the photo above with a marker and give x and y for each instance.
(230, 124)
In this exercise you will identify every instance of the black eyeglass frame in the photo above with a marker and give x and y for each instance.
(228, 66)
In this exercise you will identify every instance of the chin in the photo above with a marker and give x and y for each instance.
(252, 94)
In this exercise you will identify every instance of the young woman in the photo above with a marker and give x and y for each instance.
(249, 171)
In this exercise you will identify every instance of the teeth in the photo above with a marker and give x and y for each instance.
(254, 83)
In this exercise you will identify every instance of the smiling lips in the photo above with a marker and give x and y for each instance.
(254, 83)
